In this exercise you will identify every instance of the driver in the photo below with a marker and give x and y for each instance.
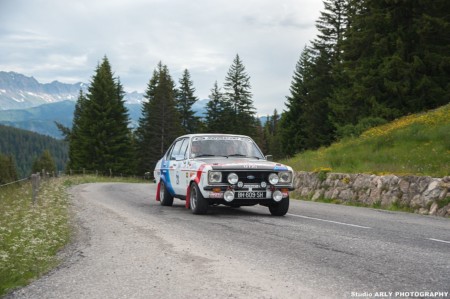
(195, 149)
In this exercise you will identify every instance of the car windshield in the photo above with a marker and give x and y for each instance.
(224, 146)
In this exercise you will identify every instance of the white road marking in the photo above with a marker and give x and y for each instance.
(437, 240)
(324, 220)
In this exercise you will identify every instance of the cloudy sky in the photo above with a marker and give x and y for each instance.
(64, 40)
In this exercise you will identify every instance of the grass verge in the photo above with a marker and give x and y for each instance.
(32, 234)
(417, 144)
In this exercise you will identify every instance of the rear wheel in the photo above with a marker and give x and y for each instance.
(199, 205)
(164, 196)
(280, 208)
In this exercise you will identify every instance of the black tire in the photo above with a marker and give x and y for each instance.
(199, 205)
(164, 196)
(280, 208)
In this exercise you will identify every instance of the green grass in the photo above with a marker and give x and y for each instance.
(31, 235)
(84, 179)
(413, 145)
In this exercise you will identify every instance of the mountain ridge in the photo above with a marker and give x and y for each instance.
(28, 104)
(41, 119)
(18, 91)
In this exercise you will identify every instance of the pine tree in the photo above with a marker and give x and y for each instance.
(184, 101)
(272, 136)
(73, 135)
(237, 93)
(219, 113)
(396, 60)
(8, 171)
(214, 110)
(326, 60)
(317, 126)
(100, 138)
(332, 24)
(44, 163)
(293, 135)
(159, 124)
(12, 169)
(306, 123)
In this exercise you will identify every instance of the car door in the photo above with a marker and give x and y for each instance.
(180, 171)
(166, 166)
(177, 161)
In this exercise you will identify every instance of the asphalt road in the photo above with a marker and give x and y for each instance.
(128, 246)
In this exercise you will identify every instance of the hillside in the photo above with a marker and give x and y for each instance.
(41, 119)
(25, 146)
(416, 144)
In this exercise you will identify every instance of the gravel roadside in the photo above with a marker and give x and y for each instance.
(123, 251)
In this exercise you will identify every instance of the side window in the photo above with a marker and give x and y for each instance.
(176, 150)
(184, 147)
(169, 152)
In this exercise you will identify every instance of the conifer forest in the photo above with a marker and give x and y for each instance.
(371, 62)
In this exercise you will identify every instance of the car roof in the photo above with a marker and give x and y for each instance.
(212, 134)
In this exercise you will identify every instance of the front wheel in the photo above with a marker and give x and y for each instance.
(165, 197)
(280, 208)
(199, 205)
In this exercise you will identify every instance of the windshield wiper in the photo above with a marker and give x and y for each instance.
(244, 156)
(209, 155)
(236, 155)
(204, 155)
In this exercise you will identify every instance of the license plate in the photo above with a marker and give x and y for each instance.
(250, 194)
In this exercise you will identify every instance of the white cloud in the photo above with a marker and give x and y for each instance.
(51, 39)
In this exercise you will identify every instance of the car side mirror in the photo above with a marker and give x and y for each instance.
(269, 157)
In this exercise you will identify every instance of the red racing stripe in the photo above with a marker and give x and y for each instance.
(197, 181)
(157, 191)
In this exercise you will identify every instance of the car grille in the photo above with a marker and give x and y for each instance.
(248, 177)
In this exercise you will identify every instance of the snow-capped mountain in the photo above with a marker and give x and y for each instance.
(18, 91)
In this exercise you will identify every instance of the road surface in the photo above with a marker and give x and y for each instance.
(129, 246)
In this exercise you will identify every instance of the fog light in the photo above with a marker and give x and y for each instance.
(277, 195)
(228, 196)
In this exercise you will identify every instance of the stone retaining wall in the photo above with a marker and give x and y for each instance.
(425, 195)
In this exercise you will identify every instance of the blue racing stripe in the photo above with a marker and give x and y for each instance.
(166, 176)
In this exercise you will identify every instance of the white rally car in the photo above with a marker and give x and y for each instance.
(209, 169)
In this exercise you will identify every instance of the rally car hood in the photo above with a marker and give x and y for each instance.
(243, 164)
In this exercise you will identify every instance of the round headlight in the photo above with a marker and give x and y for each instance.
(273, 178)
(285, 177)
(233, 178)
